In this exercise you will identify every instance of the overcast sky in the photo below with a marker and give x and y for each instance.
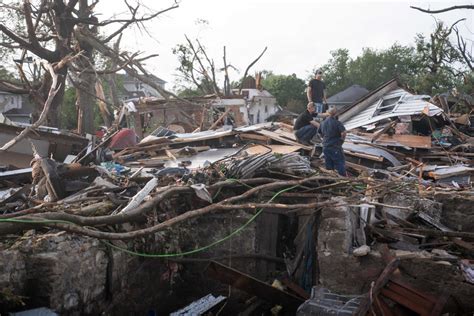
(299, 34)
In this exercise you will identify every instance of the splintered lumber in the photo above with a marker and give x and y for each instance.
(413, 141)
(362, 155)
(279, 138)
(450, 172)
(286, 134)
(53, 181)
(378, 134)
(284, 126)
(378, 285)
(252, 136)
(253, 286)
(214, 125)
(279, 149)
(140, 196)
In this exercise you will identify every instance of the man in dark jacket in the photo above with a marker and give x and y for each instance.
(305, 126)
(334, 134)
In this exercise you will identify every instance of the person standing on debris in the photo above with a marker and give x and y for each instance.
(305, 126)
(316, 91)
(334, 134)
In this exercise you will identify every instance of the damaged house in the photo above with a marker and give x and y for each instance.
(15, 107)
(135, 88)
(244, 219)
(253, 106)
(15, 113)
(388, 103)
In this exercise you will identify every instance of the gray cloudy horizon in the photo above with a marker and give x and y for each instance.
(299, 34)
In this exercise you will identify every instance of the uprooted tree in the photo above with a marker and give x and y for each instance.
(55, 30)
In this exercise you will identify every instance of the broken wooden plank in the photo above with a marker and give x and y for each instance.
(214, 125)
(277, 137)
(279, 149)
(365, 156)
(295, 288)
(380, 133)
(450, 172)
(378, 285)
(430, 220)
(413, 141)
(252, 136)
(253, 286)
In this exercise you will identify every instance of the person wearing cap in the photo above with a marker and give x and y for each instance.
(316, 91)
(334, 134)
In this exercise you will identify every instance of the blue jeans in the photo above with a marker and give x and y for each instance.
(334, 159)
(319, 107)
(306, 133)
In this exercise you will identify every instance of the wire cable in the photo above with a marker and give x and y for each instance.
(160, 255)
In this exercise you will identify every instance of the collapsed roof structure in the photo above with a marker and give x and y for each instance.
(250, 206)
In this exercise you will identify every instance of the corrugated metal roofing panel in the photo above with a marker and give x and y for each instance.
(365, 149)
(409, 104)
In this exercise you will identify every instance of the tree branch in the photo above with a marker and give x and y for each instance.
(248, 68)
(457, 7)
(52, 92)
(462, 48)
(38, 50)
(37, 220)
(203, 69)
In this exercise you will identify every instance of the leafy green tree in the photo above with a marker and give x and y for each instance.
(336, 71)
(441, 66)
(289, 90)
(195, 68)
(433, 66)
(68, 115)
(375, 67)
(6, 75)
(370, 69)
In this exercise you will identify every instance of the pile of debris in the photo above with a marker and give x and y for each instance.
(404, 213)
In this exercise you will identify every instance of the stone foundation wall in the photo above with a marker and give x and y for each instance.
(339, 270)
(60, 270)
(76, 275)
(458, 211)
(343, 273)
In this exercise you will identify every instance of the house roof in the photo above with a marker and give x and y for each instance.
(388, 100)
(127, 78)
(348, 95)
(256, 93)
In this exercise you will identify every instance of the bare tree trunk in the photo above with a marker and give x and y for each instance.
(104, 111)
(86, 102)
(56, 106)
(87, 79)
(111, 78)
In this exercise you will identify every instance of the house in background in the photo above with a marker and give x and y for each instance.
(15, 107)
(347, 96)
(135, 88)
(261, 104)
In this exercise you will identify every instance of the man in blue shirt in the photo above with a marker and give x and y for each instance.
(334, 134)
